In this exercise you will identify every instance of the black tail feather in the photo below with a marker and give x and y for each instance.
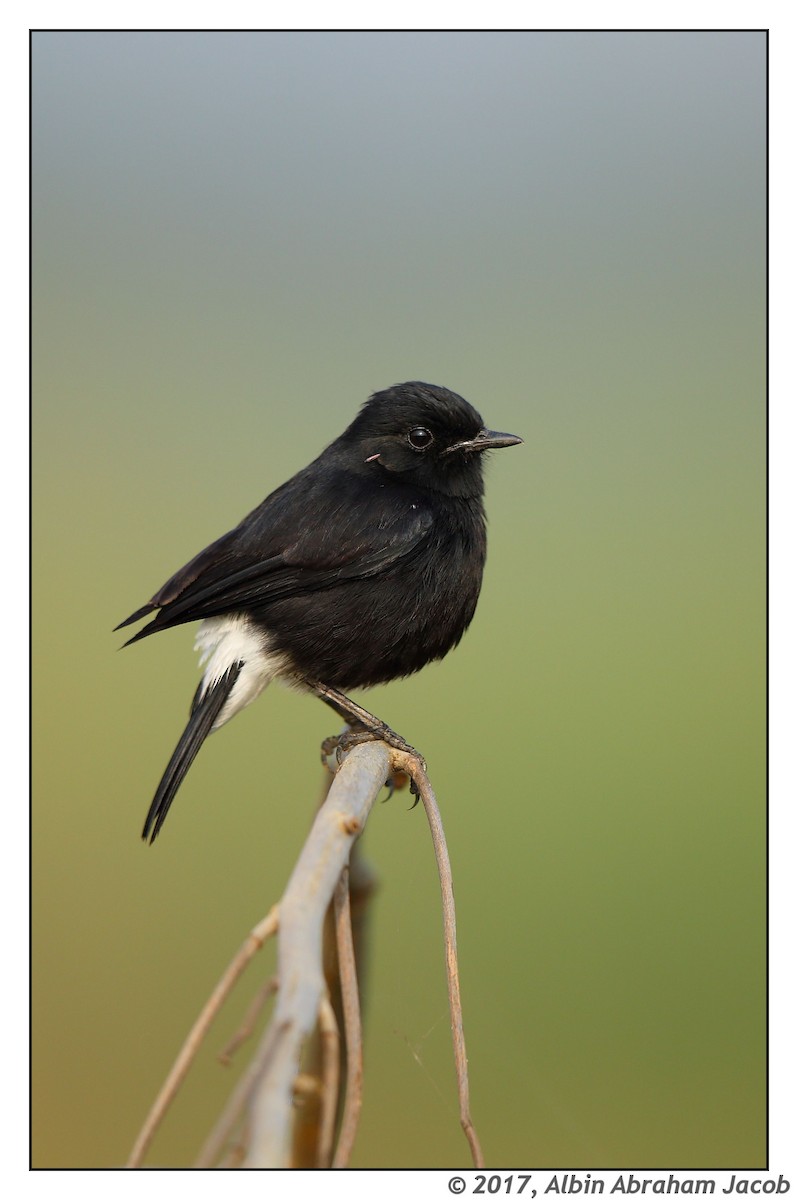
(204, 712)
(153, 627)
(144, 611)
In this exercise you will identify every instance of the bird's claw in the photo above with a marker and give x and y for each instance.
(340, 743)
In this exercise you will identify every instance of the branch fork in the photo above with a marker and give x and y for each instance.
(260, 1111)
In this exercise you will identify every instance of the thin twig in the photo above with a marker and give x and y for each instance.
(247, 1026)
(353, 1032)
(254, 941)
(330, 1076)
(219, 1136)
(412, 767)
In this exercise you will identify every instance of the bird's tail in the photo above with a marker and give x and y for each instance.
(205, 709)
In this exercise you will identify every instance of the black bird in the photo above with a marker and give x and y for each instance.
(362, 568)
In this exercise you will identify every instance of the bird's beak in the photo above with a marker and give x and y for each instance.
(486, 439)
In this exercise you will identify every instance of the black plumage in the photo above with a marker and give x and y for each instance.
(362, 568)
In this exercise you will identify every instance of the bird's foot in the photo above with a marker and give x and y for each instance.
(363, 726)
(357, 735)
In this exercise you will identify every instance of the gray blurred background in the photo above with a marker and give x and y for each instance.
(238, 237)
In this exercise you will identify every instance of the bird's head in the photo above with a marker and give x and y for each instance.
(426, 434)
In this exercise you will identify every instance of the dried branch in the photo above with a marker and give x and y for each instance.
(222, 1131)
(254, 1129)
(423, 788)
(247, 1026)
(254, 941)
(331, 1070)
(302, 908)
(353, 1032)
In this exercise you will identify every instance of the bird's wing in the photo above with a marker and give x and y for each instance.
(300, 539)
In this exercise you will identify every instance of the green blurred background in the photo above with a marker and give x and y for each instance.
(237, 237)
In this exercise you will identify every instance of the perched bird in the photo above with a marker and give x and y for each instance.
(362, 568)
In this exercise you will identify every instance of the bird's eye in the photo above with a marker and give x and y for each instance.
(419, 439)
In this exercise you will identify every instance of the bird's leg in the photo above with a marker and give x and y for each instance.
(364, 726)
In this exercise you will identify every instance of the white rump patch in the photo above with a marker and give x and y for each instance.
(223, 641)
